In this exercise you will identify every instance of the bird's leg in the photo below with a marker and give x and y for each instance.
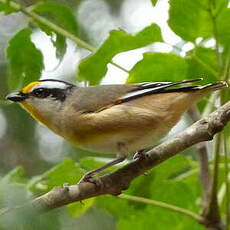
(120, 157)
(88, 176)
(139, 154)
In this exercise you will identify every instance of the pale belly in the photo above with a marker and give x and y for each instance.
(132, 142)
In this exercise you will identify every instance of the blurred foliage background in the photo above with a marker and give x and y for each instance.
(107, 42)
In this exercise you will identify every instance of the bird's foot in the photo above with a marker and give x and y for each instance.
(139, 154)
(88, 177)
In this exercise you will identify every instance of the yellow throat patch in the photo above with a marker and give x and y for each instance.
(29, 108)
(27, 88)
(34, 113)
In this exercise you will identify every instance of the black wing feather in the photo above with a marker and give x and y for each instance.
(148, 88)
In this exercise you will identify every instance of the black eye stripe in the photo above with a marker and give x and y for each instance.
(40, 93)
(56, 93)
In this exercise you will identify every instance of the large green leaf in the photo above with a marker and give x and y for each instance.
(114, 205)
(202, 62)
(159, 67)
(13, 188)
(223, 27)
(25, 60)
(65, 172)
(14, 192)
(61, 16)
(78, 208)
(158, 219)
(6, 8)
(14, 176)
(160, 184)
(94, 67)
(193, 19)
(190, 19)
(154, 2)
(171, 168)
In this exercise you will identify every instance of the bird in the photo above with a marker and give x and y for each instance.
(120, 119)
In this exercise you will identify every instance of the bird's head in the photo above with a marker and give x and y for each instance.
(42, 98)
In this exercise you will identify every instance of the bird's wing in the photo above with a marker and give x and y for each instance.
(98, 98)
(148, 88)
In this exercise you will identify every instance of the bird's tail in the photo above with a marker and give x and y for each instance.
(213, 86)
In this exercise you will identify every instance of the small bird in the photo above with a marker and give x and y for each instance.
(120, 119)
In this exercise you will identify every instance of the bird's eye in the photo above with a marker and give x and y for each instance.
(41, 93)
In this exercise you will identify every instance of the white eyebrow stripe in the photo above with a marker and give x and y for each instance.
(50, 85)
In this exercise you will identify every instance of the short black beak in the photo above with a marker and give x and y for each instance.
(16, 97)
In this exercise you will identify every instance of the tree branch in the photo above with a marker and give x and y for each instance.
(115, 182)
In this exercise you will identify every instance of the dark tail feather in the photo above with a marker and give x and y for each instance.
(214, 86)
(205, 88)
(164, 87)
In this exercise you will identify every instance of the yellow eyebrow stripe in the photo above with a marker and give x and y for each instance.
(30, 86)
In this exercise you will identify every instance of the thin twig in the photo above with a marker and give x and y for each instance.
(210, 106)
(227, 190)
(224, 97)
(211, 212)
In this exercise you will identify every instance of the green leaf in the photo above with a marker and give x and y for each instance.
(160, 184)
(14, 176)
(25, 60)
(223, 26)
(90, 163)
(65, 172)
(190, 19)
(78, 208)
(177, 169)
(154, 2)
(200, 60)
(61, 16)
(186, 199)
(158, 218)
(139, 187)
(14, 192)
(163, 186)
(94, 67)
(6, 8)
(149, 185)
(114, 205)
(60, 45)
(159, 67)
(171, 168)
(13, 189)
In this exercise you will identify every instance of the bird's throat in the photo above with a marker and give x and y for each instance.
(34, 113)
